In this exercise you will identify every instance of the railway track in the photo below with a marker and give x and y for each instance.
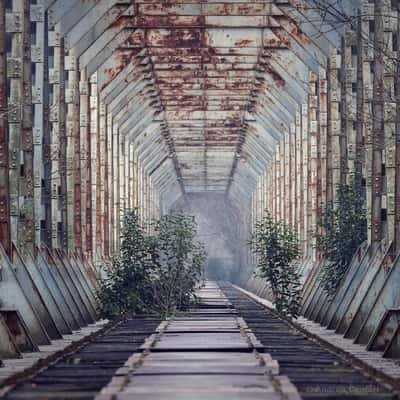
(316, 372)
(224, 348)
(82, 375)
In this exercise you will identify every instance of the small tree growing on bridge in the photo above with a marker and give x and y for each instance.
(157, 273)
(126, 287)
(344, 228)
(277, 249)
(179, 262)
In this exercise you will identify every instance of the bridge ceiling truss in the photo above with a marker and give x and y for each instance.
(141, 102)
(216, 83)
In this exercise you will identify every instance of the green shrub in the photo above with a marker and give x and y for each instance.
(126, 288)
(179, 262)
(344, 228)
(152, 274)
(277, 249)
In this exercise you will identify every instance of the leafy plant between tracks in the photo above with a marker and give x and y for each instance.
(153, 273)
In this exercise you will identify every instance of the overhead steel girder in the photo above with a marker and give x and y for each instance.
(135, 123)
(269, 127)
(299, 90)
(122, 92)
(104, 11)
(103, 46)
(247, 171)
(281, 126)
(122, 107)
(121, 112)
(266, 101)
(145, 143)
(301, 46)
(145, 135)
(292, 65)
(58, 9)
(245, 183)
(155, 163)
(256, 163)
(133, 128)
(109, 39)
(135, 66)
(118, 61)
(124, 74)
(104, 29)
(282, 91)
(261, 134)
(288, 103)
(251, 154)
(313, 32)
(151, 159)
(166, 176)
(159, 165)
(261, 138)
(161, 178)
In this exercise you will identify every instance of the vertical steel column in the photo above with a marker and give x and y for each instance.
(14, 75)
(38, 95)
(27, 211)
(262, 203)
(135, 180)
(55, 60)
(377, 125)
(367, 56)
(278, 182)
(100, 178)
(5, 235)
(116, 187)
(108, 190)
(88, 169)
(72, 161)
(84, 118)
(323, 139)
(44, 34)
(397, 137)
(299, 181)
(62, 161)
(349, 101)
(335, 136)
(121, 173)
(305, 167)
(126, 174)
(106, 207)
(288, 208)
(313, 187)
(93, 166)
(389, 62)
(131, 175)
(360, 145)
(273, 187)
(293, 173)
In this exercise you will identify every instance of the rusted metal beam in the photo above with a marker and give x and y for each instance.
(377, 125)
(5, 233)
(27, 213)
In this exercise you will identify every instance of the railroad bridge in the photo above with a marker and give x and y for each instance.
(224, 109)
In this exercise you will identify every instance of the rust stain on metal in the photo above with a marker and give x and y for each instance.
(5, 238)
(294, 29)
